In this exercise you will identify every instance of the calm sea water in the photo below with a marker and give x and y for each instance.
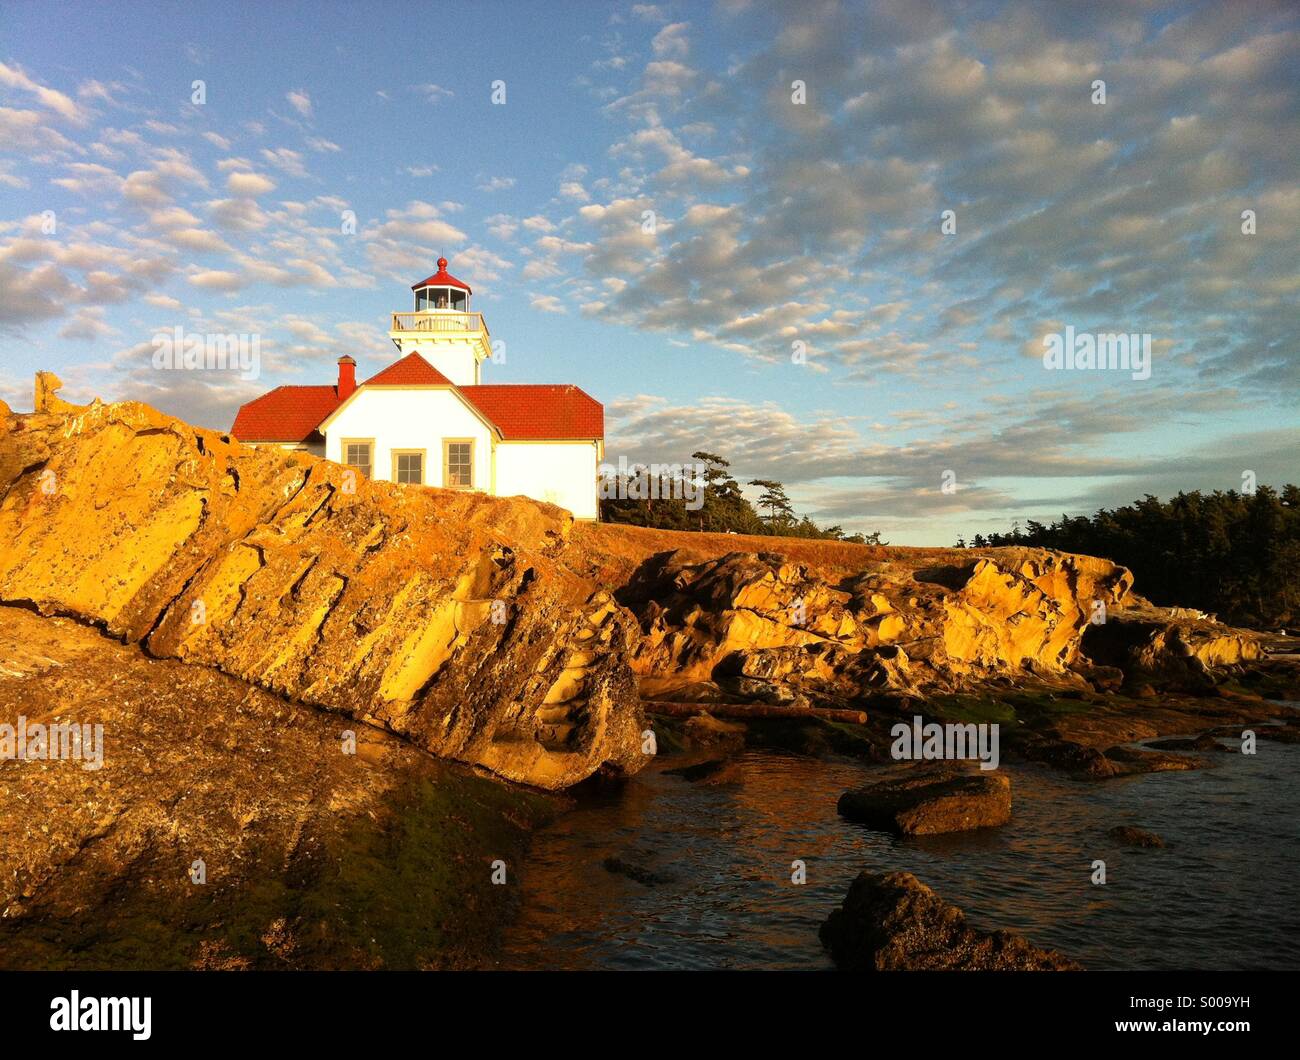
(715, 858)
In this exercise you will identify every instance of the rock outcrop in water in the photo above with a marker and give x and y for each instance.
(895, 923)
(451, 618)
(931, 802)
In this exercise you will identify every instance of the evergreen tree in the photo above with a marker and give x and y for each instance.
(773, 498)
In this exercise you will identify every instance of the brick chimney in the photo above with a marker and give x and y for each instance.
(347, 377)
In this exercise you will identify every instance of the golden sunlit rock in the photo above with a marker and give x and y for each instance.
(451, 618)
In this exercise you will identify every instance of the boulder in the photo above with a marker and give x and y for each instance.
(895, 922)
(931, 803)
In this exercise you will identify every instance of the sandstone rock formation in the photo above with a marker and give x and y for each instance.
(918, 623)
(930, 802)
(897, 923)
(454, 619)
(758, 627)
(46, 393)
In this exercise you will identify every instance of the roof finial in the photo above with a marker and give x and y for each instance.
(442, 263)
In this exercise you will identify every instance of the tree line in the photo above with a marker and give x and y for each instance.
(712, 501)
(1233, 554)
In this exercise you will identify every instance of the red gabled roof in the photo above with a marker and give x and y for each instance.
(411, 370)
(521, 412)
(442, 278)
(539, 411)
(286, 414)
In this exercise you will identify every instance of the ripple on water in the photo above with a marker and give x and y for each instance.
(1221, 894)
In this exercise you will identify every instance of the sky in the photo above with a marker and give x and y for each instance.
(824, 240)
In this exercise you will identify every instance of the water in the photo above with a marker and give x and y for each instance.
(1221, 895)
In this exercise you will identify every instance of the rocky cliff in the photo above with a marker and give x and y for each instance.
(497, 632)
(453, 619)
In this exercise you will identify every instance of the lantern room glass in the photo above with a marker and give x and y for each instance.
(454, 299)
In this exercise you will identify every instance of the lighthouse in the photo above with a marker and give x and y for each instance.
(442, 329)
(425, 420)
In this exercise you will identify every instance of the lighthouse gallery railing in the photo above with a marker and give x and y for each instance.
(439, 321)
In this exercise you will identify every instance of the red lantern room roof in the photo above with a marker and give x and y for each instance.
(441, 278)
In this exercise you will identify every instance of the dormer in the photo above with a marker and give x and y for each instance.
(442, 329)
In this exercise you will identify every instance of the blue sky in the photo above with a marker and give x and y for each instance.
(776, 222)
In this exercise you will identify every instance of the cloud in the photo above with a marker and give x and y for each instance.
(239, 215)
(217, 280)
(433, 93)
(90, 179)
(996, 457)
(14, 78)
(912, 110)
(731, 225)
(670, 42)
(88, 325)
(26, 130)
(547, 303)
(409, 240)
(649, 12)
(28, 295)
(249, 185)
(10, 179)
(300, 100)
(171, 174)
(286, 160)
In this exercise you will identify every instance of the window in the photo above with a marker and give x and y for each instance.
(358, 453)
(408, 465)
(458, 464)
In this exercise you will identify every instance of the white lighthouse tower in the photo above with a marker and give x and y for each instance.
(442, 329)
